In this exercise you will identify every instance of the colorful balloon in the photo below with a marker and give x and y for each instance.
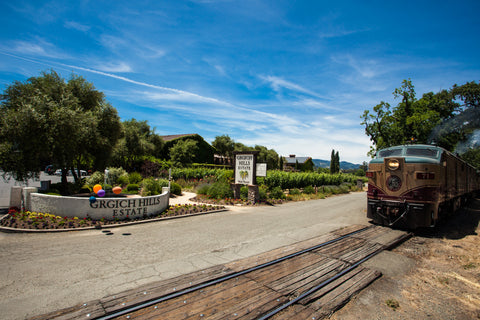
(92, 199)
(117, 190)
(97, 188)
(101, 193)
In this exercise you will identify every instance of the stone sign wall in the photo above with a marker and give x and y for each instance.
(107, 208)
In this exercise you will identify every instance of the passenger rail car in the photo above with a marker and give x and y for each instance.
(412, 186)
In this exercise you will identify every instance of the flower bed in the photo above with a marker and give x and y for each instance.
(44, 221)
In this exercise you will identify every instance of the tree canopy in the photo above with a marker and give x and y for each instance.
(225, 146)
(48, 120)
(444, 118)
(334, 162)
(138, 140)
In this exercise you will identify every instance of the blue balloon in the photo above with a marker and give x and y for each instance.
(93, 199)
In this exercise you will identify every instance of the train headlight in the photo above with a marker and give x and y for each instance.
(393, 164)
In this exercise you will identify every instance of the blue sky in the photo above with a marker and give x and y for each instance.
(294, 76)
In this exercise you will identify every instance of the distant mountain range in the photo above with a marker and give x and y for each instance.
(343, 164)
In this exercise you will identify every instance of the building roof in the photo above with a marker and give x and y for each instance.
(176, 136)
(292, 159)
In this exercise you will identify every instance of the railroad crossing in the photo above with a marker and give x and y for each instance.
(306, 280)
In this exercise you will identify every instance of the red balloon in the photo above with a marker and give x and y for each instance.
(117, 190)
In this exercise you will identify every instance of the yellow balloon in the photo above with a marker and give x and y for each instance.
(97, 188)
(117, 190)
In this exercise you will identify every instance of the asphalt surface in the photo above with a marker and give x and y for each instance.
(41, 273)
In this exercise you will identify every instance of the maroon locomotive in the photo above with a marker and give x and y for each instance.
(412, 186)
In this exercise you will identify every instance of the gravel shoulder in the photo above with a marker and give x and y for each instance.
(433, 275)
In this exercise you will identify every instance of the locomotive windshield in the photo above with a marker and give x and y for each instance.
(390, 153)
(422, 152)
(410, 152)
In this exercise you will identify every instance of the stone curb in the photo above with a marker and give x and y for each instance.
(16, 230)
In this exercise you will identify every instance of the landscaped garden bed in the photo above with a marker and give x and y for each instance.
(17, 219)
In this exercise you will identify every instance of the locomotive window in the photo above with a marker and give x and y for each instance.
(389, 153)
(418, 152)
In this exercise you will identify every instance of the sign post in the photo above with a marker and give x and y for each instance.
(245, 173)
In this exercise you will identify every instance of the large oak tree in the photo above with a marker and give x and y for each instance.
(68, 123)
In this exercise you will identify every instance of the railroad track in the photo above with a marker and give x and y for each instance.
(307, 280)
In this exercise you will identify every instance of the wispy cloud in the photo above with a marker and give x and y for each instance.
(278, 84)
(77, 26)
(115, 67)
(180, 93)
(366, 68)
(37, 47)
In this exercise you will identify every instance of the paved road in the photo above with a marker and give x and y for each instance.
(44, 272)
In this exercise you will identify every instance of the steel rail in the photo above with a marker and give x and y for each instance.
(319, 286)
(149, 303)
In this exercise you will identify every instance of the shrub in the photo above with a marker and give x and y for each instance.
(244, 192)
(150, 187)
(295, 191)
(114, 174)
(96, 178)
(220, 190)
(134, 177)
(133, 187)
(277, 193)
(175, 188)
(86, 189)
(123, 180)
(262, 190)
(308, 190)
(203, 188)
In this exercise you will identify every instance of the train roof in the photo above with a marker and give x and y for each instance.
(413, 153)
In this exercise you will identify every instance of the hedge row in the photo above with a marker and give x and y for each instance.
(274, 178)
(290, 180)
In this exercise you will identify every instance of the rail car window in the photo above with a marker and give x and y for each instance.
(389, 153)
(418, 152)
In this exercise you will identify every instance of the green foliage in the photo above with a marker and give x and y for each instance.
(219, 190)
(290, 180)
(308, 190)
(436, 117)
(200, 173)
(86, 189)
(68, 123)
(295, 191)
(472, 156)
(138, 141)
(114, 174)
(133, 187)
(151, 186)
(203, 153)
(224, 145)
(96, 178)
(175, 188)
(262, 192)
(123, 180)
(183, 152)
(334, 162)
(277, 193)
(244, 192)
(134, 177)
(203, 188)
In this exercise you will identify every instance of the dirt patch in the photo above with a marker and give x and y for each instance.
(441, 282)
